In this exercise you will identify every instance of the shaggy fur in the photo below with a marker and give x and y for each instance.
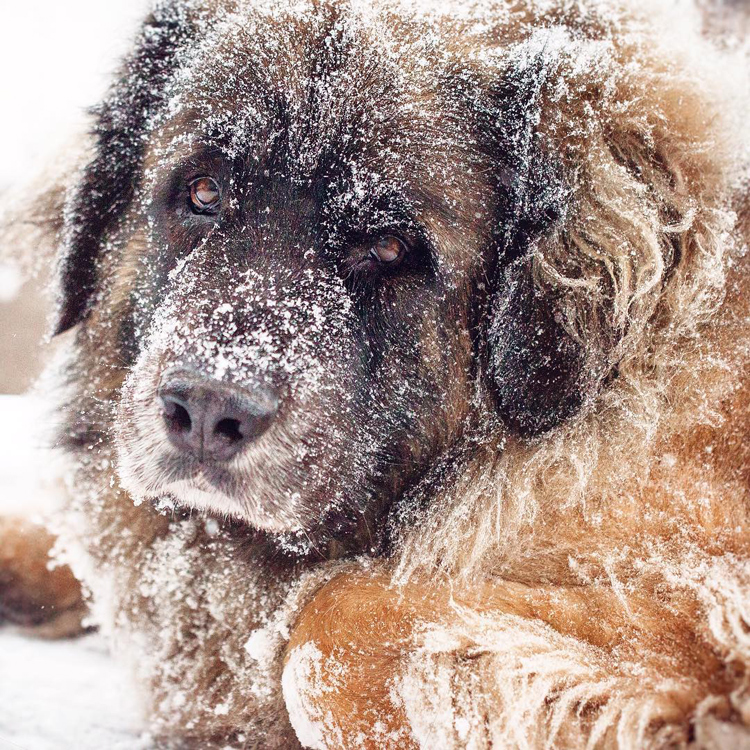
(506, 501)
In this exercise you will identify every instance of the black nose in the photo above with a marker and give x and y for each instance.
(210, 420)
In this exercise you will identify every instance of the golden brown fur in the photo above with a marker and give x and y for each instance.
(45, 601)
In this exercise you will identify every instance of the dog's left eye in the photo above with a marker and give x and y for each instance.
(388, 250)
(205, 195)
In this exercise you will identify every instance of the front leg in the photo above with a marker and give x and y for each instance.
(45, 602)
(370, 665)
(347, 645)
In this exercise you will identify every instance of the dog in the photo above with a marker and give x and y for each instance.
(403, 375)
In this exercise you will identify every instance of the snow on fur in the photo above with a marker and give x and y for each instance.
(641, 258)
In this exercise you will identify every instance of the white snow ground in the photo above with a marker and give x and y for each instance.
(54, 695)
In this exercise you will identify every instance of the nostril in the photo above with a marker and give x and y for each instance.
(213, 421)
(177, 416)
(229, 429)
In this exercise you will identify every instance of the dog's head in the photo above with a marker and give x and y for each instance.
(316, 246)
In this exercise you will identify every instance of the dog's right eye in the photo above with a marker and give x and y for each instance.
(205, 195)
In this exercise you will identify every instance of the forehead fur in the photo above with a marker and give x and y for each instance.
(366, 109)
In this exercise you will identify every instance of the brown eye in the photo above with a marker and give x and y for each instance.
(388, 249)
(205, 195)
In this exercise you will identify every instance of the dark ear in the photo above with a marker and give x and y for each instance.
(580, 299)
(536, 365)
(541, 366)
(107, 183)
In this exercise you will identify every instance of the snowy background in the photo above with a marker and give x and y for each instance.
(56, 58)
(54, 695)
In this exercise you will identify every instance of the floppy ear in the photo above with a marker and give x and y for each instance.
(535, 360)
(536, 365)
(107, 183)
(607, 219)
(583, 245)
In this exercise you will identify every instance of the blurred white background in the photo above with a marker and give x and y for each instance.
(55, 60)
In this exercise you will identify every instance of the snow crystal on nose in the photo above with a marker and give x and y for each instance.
(275, 322)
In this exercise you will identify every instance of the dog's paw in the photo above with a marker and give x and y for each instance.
(346, 647)
(46, 602)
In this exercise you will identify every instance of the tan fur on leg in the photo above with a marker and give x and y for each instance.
(346, 646)
(371, 665)
(45, 601)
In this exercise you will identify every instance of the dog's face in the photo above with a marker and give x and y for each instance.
(301, 282)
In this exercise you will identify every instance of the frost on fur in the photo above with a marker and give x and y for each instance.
(490, 260)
